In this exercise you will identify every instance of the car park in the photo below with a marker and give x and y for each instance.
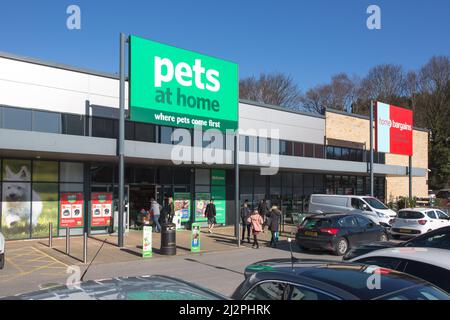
(338, 232)
(293, 279)
(370, 206)
(430, 264)
(417, 221)
(2, 251)
(439, 238)
(154, 287)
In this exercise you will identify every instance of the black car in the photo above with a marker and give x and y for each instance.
(125, 288)
(439, 238)
(337, 232)
(287, 279)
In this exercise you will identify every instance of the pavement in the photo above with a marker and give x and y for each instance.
(32, 265)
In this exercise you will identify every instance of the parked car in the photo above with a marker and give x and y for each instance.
(430, 264)
(416, 221)
(338, 232)
(125, 288)
(443, 197)
(2, 251)
(439, 238)
(292, 279)
(339, 203)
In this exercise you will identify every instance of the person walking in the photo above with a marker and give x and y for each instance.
(155, 211)
(263, 209)
(273, 222)
(256, 221)
(210, 213)
(168, 211)
(245, 214)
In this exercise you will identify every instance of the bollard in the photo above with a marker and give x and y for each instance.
(50, 235)
(85, 238)
(67, 240)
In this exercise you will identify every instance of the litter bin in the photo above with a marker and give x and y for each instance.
(168, 239)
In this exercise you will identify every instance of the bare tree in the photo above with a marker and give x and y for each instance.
(339, 94)
(276, 89)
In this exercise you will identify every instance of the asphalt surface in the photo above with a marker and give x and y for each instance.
(218, 271)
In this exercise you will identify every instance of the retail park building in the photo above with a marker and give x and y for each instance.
(59, 130)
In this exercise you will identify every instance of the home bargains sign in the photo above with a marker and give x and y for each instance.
(176, 87)
(394, 129)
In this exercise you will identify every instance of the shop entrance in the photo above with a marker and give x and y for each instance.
(140, 195)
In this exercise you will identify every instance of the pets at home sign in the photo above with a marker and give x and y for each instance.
(71, 210)
(176, 87)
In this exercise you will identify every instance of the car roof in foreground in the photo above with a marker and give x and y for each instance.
(343, 279)
(434, 256)
(155, 287)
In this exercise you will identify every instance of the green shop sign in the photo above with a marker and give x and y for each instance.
(177, 87)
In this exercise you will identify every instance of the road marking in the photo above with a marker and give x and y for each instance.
(54, 259)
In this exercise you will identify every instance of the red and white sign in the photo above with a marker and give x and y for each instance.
(393, 129)
(71, 210)
(101, 209)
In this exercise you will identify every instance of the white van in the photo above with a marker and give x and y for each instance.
(2, 251)
(325, 203)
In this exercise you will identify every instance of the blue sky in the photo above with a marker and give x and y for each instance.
(309, 40)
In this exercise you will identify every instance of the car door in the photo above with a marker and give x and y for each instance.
(370, 230)
(432, 220)
(353, 231)
(443, 219)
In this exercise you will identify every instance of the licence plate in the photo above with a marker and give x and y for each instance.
(405, 231)
(310, 233)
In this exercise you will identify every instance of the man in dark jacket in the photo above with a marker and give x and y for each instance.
(210, 213)
(245, 213)
(273, 222)
(263, 209)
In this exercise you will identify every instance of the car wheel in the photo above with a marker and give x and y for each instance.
(395, 236)
(2, 260)
(383, 237)
(341, 247)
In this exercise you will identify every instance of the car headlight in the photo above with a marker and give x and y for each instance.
(381, 215)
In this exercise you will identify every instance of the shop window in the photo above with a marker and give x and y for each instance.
(129, 130)
(286, 148)
(202, 189)
(16, 170)
(298, 149)
(309, 150)
(46, 121)
(72, 124)
(182, 176)
(45, 171)
(144, 175)
(101, 174)
(70, 187)
(103, 128)
(202, 176)
(259, 185)
(144, 132)
(44, 209)
(319, 151)
(16, 118)
(165, 135)
(16, 209)
(71, 172)
(165, 176)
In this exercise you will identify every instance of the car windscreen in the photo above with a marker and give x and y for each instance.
(410, 215)
(354, 279)
(314, 223)
(375, 203)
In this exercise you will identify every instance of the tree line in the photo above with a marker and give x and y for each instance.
(426, 91)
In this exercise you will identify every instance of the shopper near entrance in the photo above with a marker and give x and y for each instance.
(273, 223)
(168, 210)
(263, 209)
(246, 226)
(256, 221)
(155, 213)
(210, 213)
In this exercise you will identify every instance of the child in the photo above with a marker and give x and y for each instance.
(256, 221)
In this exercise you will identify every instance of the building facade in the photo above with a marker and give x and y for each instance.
(58, 136)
